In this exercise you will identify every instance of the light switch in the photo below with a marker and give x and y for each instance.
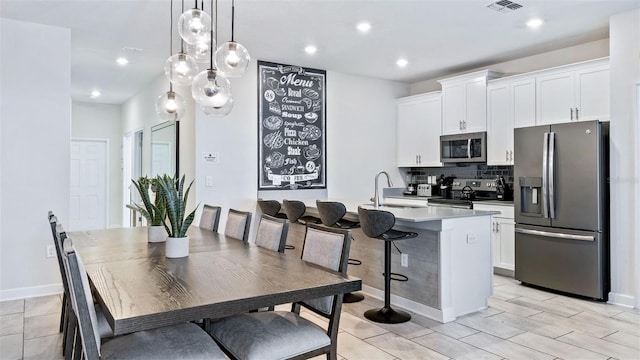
(534, 196)
(471, 238)
(208, 181)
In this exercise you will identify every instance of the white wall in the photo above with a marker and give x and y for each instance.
(573, 54)
(361, 128)
(35, 114)
(624, 140)
(102, 121)
(139, 113)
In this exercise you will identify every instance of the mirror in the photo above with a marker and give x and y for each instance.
(165, 148)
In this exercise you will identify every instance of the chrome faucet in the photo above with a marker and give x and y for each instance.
(376, 196)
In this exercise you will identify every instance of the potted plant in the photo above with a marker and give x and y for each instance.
(155, 211)
(172, 190)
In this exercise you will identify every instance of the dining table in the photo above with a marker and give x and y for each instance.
(139, 288)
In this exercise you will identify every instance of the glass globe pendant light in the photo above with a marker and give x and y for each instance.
(180, 69)
(223, 110)
(200, 51)
(170, 106)
(194, 25)
(210, 87)
(231, 57)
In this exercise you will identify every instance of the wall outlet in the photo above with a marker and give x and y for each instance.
(51, 251)
(404, 260)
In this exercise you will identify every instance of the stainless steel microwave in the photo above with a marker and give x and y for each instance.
(469, 147)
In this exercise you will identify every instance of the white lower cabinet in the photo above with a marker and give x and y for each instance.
(502, 237)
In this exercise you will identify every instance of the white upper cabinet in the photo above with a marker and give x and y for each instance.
(418, 131)
(464, 102)
(510, 103)
(573, 93)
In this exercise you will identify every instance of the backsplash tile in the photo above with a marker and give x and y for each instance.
(462, 171)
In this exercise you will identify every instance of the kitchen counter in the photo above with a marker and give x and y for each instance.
(449, 264)
(426, 198)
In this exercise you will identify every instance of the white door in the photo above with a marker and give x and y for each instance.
(88, 185)
(161, 158)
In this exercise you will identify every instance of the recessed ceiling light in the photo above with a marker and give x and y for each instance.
(534, 23)
(95, 94)
(310, 49)
(363, 27)
(122, 61)
(402, 62)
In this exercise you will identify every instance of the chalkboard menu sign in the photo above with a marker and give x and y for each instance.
(291, 127)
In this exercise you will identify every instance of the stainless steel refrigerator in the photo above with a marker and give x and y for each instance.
(562, 207)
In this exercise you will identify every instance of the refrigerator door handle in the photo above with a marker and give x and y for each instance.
(552, 149)
(469, 148)
(545, 158)
(555, 235)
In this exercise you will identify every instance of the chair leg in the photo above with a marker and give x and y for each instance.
(63, 311)
(77, 349)
(68, 338)
(386, 314)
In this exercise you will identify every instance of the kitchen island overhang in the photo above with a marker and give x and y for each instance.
(449, 268)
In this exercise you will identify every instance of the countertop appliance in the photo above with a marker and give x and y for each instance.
(561, 207)
(469, 147)
(424, 190)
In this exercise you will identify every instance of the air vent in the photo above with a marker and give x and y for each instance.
(504, 6)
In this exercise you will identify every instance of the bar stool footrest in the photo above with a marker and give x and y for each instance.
(397, 277)
(354, 262)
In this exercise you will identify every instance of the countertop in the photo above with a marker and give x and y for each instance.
(413, 214)
(426, 198)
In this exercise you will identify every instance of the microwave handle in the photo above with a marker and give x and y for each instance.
(469, 148)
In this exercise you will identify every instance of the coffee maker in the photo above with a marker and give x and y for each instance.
(444, 184)
(503, 190)
(412, 187)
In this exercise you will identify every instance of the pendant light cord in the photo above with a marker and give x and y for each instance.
(211, 50)
(182, 40)
(171, 38)
(233, 17)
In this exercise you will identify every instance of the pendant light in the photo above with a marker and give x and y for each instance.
(194, 25)
(231, 57)
(211, 88)
(181, 68)
(170, 106)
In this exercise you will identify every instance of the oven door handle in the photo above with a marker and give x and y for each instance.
(469, 148)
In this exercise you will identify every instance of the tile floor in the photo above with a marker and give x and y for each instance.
(520, 323)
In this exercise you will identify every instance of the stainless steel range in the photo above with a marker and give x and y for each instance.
(465, 191)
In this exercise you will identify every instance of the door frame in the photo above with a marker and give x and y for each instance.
(107, 183)
(127, 155)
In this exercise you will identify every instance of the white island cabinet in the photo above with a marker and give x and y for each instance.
(502, 237)
(418, 135)
(449, 265)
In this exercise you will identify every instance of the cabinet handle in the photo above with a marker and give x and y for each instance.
(577, 114)
(460, 125)
(416, 159)
(511, 155)
(419, 159)
(506, 152)
(497, 227)
(464, 125)
(571, 110)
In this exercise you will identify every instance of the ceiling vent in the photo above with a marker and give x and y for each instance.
(504, 6)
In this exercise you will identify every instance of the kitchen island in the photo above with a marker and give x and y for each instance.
(449, 265)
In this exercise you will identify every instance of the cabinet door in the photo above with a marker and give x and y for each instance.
(429, 153)
(592, 95)
(523, 98)
(475, 95)
(499, 125)
(452, 109)
(411, 124)
(555, 98)
(505, 235)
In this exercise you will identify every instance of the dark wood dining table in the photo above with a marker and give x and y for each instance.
(139, 288)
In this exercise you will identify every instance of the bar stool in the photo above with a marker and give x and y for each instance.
(378, 224)
(272, 208)
(332, 215)
(295, 210)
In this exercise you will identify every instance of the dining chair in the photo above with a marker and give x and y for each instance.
(272, 233)
(283, 334)
(210, 217)
(378, 224)
(332, 214)
(53, 220)
(238, 224)
(180, 341)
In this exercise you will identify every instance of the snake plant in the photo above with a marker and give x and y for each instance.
(176, 204)
(154, 212)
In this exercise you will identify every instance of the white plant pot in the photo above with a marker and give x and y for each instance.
(177, 247)
(156, 233)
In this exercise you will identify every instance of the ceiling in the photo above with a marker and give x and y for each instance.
(437, 38)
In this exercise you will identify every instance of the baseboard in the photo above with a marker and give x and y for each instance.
(622, 300)
(443, 316)
(504, 272)
(29, 292)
